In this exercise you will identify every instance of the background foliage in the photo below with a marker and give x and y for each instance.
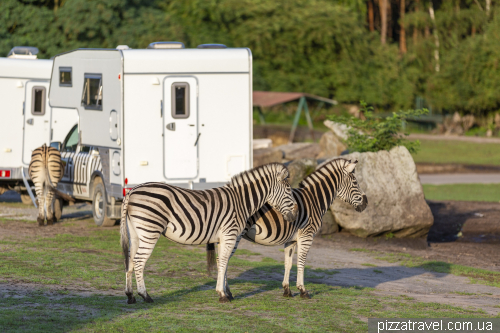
(324, 47)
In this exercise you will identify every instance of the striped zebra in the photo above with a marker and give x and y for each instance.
(45, 170)
(198, 217)
(334, 178)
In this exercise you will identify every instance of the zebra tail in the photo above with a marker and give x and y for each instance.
(123, 231)
(211, 258)
(55, 190)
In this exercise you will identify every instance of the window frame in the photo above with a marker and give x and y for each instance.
(66, 139)
(92, 76)
(173, 100)
(65, 69)
(44, 100)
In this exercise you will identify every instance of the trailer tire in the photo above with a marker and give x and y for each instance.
(26, 199)
(99, 212)
(58, 208)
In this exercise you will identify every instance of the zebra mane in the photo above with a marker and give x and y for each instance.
(334, 162)
(265, 167)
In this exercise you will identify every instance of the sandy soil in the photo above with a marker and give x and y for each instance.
(466, 233)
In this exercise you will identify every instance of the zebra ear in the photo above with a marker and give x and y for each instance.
(351, 165)
(284, 174)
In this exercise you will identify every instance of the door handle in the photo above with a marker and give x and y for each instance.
(29, 121)
(198, 138)
(171, 126)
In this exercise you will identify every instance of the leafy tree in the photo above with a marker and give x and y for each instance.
(374, 133)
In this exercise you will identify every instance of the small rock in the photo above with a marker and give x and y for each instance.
(295, 151)
(266, 155)
(478, 214)
(300, 169)
(330, 145)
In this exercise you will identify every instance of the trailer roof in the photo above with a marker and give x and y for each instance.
(25, 68)
(230, 60)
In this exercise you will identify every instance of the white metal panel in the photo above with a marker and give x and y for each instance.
(63, 121)
(36, 127)
(28, 69)
(11, 124)
(232, 60)
(180, 135)
(143, 129)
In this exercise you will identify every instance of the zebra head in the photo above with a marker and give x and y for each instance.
(349, 190)
(280, 194)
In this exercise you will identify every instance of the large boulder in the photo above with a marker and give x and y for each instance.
(396, 201)
(329, 225)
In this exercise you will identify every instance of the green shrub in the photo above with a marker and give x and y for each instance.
(376, 133)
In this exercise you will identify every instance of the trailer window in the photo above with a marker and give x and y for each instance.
(180, 100)
(65, 77)
(92, 92)
(38, 101)
(71, 141)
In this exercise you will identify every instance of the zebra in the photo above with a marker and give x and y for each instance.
(46, 170)
(333, 178)
(197, 217)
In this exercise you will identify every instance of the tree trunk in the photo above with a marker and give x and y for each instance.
(402, 32)
(488, 7)
(383, 21)
(435, 33)
(371, 22)
(415, 28)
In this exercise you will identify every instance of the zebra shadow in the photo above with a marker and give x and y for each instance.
(396, 278)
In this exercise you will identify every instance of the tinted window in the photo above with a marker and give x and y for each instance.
(38, 101)
(71, 141)
(65, 76)
(92, 92)
(180, 100)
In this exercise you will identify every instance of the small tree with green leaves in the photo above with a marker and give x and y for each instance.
(377, 133)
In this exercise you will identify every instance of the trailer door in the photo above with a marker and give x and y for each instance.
(180, 128)
(36, 118)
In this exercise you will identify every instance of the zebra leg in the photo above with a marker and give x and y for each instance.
(41, 207)
(304, 244)
(134, 245)
(226, 246)
(289, 250)
(49, 201)
(144, 250)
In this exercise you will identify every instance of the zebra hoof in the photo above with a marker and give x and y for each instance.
(131, 300)
(230, 296)
(224, 299)
(41, 222)
(287, 293)
(50, 222)
(148, 299)
(305, 295)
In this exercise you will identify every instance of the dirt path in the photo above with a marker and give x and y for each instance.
(460, 178)
(394, 279)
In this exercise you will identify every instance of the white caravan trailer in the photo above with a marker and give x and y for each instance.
(162, 114)
(26, 119)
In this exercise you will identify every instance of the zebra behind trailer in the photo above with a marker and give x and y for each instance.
(164, 114)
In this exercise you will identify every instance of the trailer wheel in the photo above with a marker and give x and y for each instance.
(26, 199)
(58, 208)
(99, 204)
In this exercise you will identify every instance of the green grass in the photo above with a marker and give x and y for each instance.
(434, 151)
(185, 299)
(464, 192)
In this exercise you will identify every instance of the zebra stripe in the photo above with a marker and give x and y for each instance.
(198, 217)
(45, 170)
(334, 178)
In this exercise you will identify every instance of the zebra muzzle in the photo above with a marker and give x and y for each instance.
(361, 207)
(291, 216)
